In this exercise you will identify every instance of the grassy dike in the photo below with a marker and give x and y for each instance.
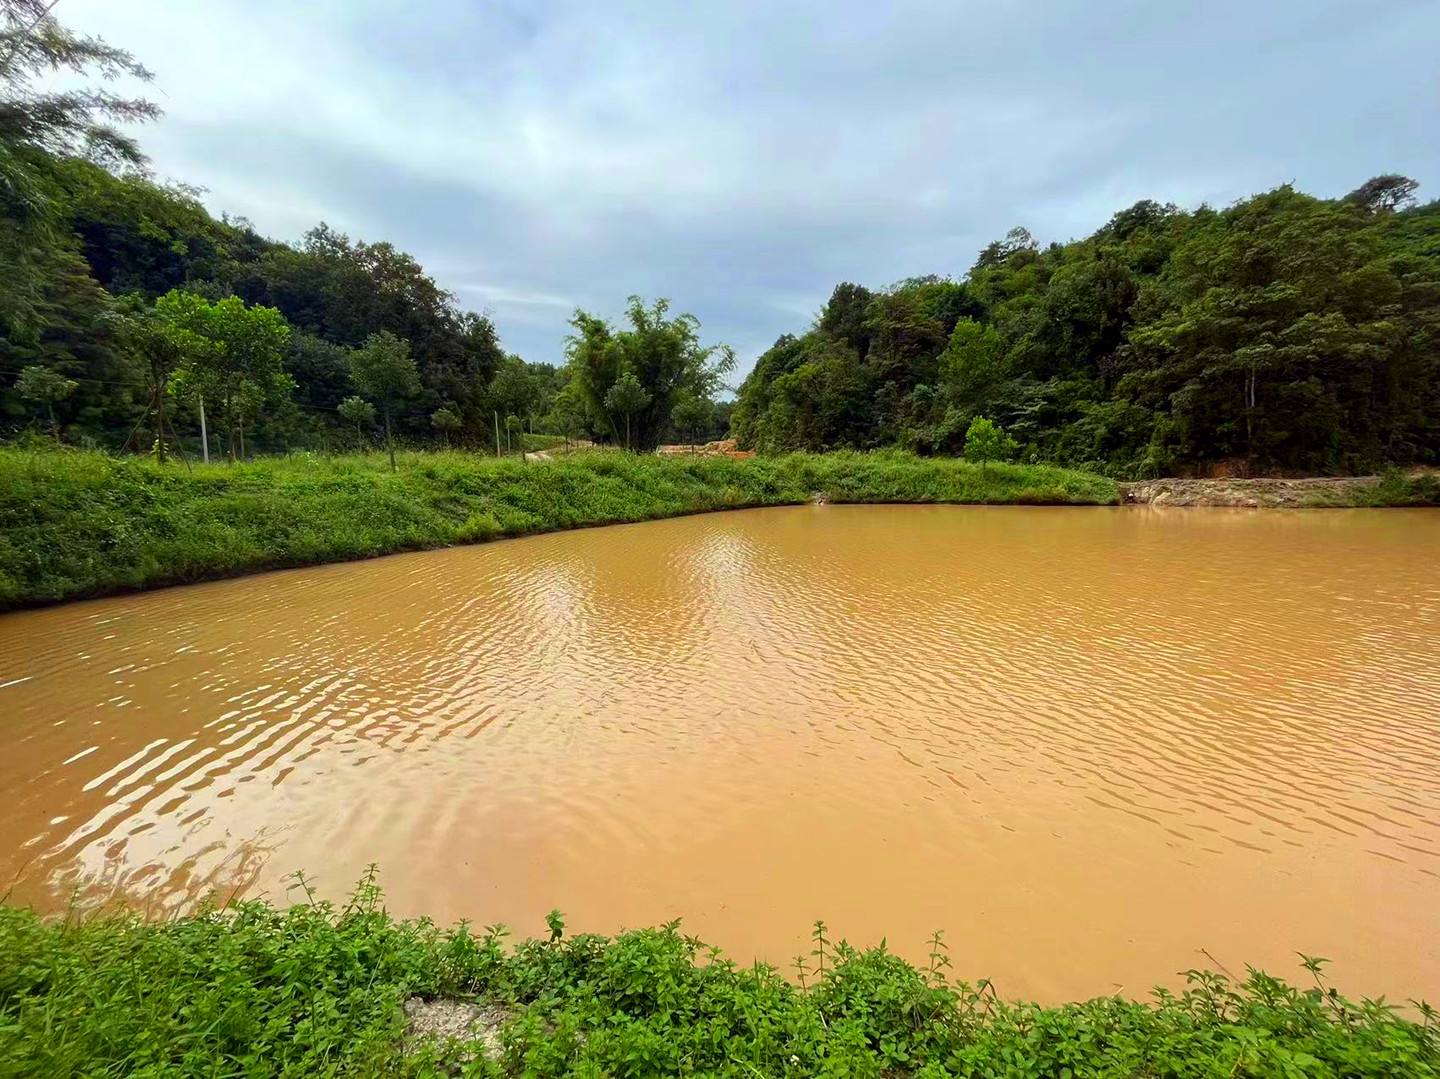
(315, 990)
(76, 524)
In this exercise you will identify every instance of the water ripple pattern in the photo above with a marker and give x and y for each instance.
(1088, 742)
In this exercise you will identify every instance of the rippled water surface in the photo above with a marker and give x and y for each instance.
(1090, 743)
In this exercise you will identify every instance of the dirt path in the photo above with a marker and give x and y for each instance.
(544, 455)
(1338, 491)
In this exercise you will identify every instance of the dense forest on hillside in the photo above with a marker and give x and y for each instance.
(124, 303)
(1285, 333)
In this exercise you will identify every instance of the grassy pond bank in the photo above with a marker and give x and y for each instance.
(76, 524)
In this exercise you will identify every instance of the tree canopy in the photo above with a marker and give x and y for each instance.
(384, 369)
(39, 126)
(662, 356)
(88, 240)
(1285, 332)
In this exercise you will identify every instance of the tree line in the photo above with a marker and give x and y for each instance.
(1284, 333)
(126, 308)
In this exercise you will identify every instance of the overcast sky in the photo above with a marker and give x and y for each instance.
(742, 158)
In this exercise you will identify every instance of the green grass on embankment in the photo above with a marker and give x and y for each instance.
(319, 991)
(75, 524)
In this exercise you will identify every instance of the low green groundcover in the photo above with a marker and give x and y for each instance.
(316, 990)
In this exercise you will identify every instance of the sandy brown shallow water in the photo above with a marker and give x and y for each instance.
(1087, 742)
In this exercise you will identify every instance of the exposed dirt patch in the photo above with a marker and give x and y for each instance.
(573, 446)
(1298, 493)
(724, 448)
(460, 1020)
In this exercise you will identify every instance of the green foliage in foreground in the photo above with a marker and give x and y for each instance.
(318, 991)
(75, 524)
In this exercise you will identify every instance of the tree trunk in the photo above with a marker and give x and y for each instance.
(389, 438)
(1249, 413)
(160, 421)
(497, 434)
(54, 424)
(627, 432)
(178, 451)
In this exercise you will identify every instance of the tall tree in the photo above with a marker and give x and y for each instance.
(165, 336)
(845, 316)
(627, 397)
(972, 365)
(384, 369)
(516, 389)
(569, 415)
(1384, 194)
(243, 364)
(662, 354)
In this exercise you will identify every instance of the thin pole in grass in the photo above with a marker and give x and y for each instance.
(497, 432)
(204, 434)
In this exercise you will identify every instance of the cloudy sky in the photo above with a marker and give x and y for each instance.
(741, 158)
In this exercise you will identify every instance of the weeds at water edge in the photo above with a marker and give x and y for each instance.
(316, 989)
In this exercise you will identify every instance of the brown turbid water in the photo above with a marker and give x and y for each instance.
(1094, 745)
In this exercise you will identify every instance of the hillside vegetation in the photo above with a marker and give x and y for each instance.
(125, 304)
(1285, 333)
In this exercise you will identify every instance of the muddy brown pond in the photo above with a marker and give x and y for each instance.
(1092, 744)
